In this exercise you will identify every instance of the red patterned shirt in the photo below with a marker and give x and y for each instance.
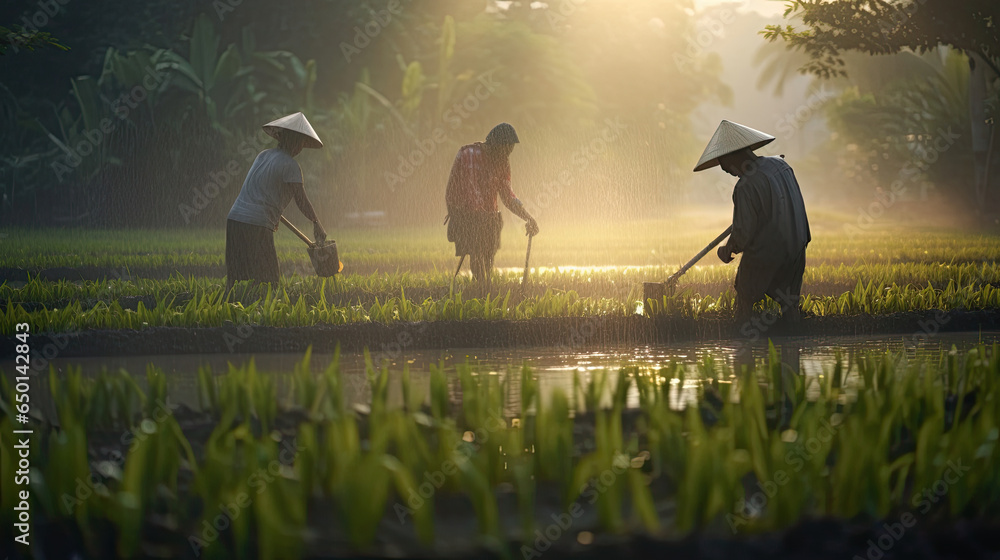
(476, 181)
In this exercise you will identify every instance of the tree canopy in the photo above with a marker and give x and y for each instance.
(881, 27)
(154, 102)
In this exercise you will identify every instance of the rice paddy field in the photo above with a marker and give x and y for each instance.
(389, 427)
(65, 280)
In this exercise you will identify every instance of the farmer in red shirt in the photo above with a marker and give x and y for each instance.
(481, 172)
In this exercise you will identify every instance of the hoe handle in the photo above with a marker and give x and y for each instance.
(715, 242)
(527, 256)
(296, 231)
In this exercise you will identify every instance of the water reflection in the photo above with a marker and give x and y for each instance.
(555, 367)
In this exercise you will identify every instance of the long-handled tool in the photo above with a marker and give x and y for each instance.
(656, 290)
(715, 242)
(460, 261)
(297, 232)
(325, 259)
(527, 257)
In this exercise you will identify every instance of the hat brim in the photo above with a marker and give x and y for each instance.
(273, 132)
(714, 162)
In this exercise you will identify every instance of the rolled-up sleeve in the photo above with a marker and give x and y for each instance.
(291, 173)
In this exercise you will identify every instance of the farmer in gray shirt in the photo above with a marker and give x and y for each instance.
(274, 180)
(770, 226)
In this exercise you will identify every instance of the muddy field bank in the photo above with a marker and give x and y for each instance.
(573, 333)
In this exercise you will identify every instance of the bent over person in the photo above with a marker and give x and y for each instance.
(480, 174)
(274, 180)
(770, 226)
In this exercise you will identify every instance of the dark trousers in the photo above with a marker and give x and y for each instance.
(476, 234)
(782, 282)
(250, 254)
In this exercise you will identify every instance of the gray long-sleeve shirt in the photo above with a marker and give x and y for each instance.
(770, 226)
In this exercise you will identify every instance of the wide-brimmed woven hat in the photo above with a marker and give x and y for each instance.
(296, 122)
(731, 137)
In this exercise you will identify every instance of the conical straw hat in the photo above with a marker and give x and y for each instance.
(296, 123)
(731, 137)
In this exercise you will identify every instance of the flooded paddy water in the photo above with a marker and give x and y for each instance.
(555, 367)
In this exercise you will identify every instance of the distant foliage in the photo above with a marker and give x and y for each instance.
(905, 113)
(148, 133)
(159, 125)
(911, 132)
(888, 27)
(21, 38)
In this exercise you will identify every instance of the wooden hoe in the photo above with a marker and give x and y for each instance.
(657, 290)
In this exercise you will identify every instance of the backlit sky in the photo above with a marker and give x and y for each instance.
(766, 7)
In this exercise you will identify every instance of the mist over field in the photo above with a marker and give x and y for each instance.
(156, 123)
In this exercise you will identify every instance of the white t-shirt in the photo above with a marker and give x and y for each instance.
(265, 195)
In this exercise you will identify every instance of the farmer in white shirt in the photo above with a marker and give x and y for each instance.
(274, 180)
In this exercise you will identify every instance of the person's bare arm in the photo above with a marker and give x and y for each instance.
(306, 207)
(517, 208)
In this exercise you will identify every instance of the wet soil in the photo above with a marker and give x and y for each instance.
(573, 333)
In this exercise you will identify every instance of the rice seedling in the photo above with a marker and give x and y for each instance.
(191, 302)
(862, 441)
(821, 280)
